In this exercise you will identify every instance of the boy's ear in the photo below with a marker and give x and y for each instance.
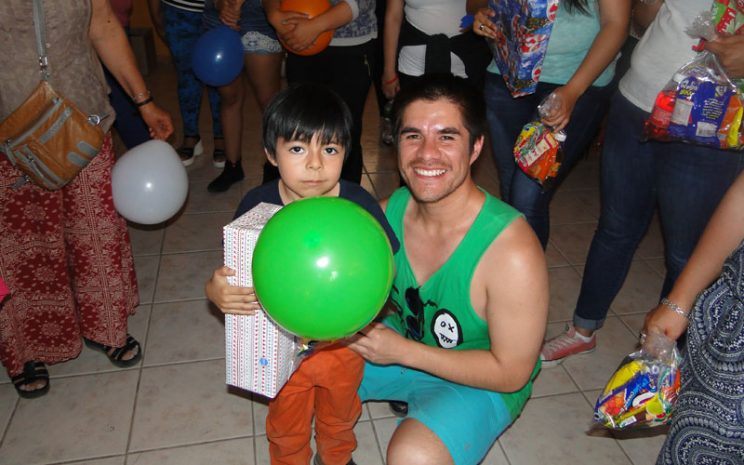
(270, 157)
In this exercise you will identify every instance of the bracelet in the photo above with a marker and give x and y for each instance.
(143, 103)
(390, 81)
(675, 308)
(141, 96)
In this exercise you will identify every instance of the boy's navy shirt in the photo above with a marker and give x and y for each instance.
(269, 193)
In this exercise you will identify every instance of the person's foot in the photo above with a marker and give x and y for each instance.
(191, 148)
(124, 356)
(231, 174)
(318, 461)
(568, 343)
(33, 381)
(218, 155)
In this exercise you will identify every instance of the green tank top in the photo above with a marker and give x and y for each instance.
(439, 312)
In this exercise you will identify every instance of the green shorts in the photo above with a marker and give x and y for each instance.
(467, 420)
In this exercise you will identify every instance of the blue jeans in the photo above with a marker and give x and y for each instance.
(507, 116)
(182, 30)
(686, 182)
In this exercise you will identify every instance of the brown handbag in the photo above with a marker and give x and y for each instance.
(48, 138)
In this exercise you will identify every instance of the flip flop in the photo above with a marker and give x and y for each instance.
(32, 371)
(115, 354)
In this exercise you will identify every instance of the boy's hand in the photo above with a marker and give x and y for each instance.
(302, 34)
(230, 299)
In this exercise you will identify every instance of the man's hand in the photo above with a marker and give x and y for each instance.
(230, 299)
(379, 344)
(730, 53)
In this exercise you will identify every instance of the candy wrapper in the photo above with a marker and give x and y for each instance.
(259, 356)
(538, 150)
(523, 29)
(644, 389)
(699, 105)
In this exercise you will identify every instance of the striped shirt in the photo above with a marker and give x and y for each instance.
(196, 6)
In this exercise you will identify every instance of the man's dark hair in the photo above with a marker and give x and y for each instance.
(303, 111)
(444, 87)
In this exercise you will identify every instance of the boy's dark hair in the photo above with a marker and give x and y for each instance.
(444, 87)
(304, 110)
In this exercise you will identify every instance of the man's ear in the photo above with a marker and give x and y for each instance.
(270, 157)
(477, 148)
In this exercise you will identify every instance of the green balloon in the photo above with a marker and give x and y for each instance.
(322, 268)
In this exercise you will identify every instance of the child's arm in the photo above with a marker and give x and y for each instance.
(230, 299)
(305, 31)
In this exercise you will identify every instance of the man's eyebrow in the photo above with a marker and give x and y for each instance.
(409, 129)
(449, 130)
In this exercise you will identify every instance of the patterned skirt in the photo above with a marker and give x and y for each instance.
(708, 423)
(67, 261)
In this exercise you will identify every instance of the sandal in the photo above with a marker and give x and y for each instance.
(32, 372)
(187, 154)
(116, 354)
(218, 155)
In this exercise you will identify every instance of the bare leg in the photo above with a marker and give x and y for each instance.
(415, 444)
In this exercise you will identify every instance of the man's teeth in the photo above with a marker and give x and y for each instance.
(421, 172)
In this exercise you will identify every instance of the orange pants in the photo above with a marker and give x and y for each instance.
(325, 384)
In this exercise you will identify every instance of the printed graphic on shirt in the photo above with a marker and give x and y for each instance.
(446, 329)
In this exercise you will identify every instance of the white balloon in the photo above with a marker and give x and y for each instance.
(149, 183)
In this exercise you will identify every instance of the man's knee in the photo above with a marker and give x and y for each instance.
(415, 444)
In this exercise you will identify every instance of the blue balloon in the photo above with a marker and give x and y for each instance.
(218, 56)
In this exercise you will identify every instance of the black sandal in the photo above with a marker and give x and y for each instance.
(32, 372)
(115, 354)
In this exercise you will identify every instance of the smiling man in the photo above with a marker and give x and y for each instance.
(470, 292)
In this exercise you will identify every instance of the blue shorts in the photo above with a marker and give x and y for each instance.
(257, 35)
(467, 420)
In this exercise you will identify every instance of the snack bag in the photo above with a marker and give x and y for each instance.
(699, 105)
(538, 150)
(644, 389)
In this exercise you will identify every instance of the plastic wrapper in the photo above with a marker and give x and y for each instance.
(523, 29)
(644, 389)
(538, 150)
(699, 105)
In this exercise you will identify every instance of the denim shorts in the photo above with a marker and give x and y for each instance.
(257, 34)
(467, 420)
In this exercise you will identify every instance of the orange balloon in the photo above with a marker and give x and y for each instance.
(311, 8)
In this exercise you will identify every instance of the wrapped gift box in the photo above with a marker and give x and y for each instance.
(259, 355)
(523, 30)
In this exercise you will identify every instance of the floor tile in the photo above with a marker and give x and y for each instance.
(640, 291)
(119, 460)
(196, 232)
(233, 452)
(560, 423)
(71, 420)
(652, 245)
(8, 400)
(565, 284)
(657, 264)
(573, 240)
(147, 272)
(574, 206)
(554, 257)
(182, 276)
(202, 201)
(552, 381)
(146, 240)
(186, 403)
(94, 361)
(614, 342)
(379, 409)
(495, 456)
(184, 332)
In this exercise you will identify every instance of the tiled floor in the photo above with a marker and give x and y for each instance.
(174, 408)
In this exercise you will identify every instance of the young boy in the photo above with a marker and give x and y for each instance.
(307, 133)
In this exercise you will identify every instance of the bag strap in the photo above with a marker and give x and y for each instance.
(41, 40)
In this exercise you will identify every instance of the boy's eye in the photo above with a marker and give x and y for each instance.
(295, 149)
(331, 150)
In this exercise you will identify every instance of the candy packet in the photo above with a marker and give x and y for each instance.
(538, 150)
(699, 105)
(644, 389)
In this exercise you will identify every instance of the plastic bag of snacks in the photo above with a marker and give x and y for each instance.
(699, 105)
(644, 389)
(538, 150)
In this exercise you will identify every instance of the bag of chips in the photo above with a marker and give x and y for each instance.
(538, 150)
(699, 105)
(644, 389)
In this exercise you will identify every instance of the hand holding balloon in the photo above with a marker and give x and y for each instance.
(234, 300)
(301, 35)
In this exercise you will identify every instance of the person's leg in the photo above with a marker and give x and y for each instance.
(218, 155)
(531, 198)
(691, 181)
(506, 117)
(182, 30)
(337, 405)
(288, 423)
(628, 198)
(231, 117)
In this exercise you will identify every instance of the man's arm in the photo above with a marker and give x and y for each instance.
(511, 285)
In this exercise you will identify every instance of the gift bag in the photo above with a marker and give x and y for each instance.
(523, 29)
(259, 356)
(699, 105)
(644, 389)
